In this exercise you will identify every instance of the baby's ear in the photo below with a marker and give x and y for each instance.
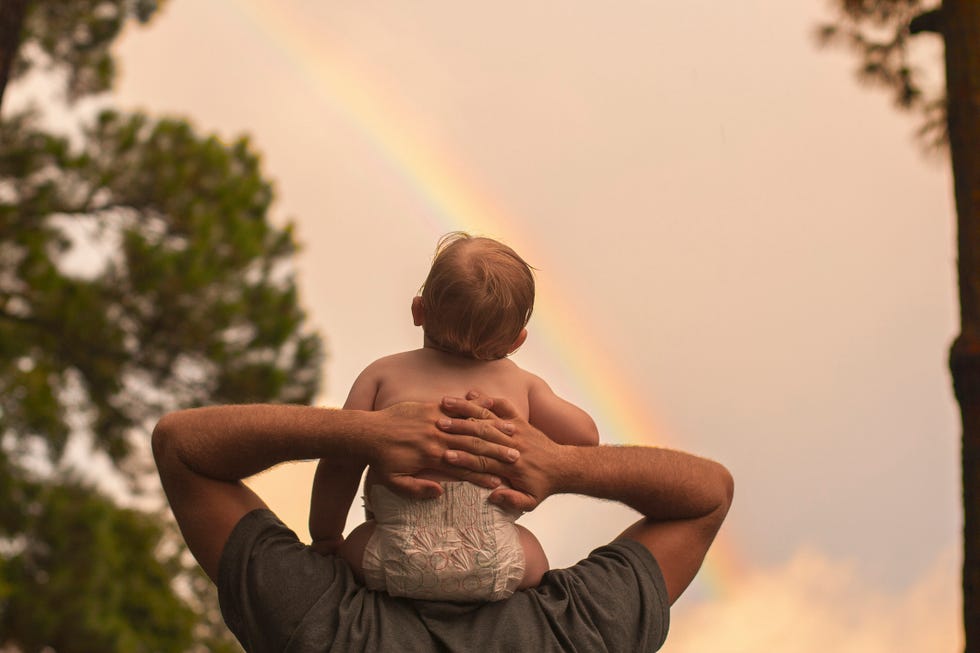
(418, 311)
(521, 337)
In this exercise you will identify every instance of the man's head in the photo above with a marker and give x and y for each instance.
(477, 298)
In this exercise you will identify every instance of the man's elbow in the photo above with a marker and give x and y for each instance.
(725, 488)
(164, 437)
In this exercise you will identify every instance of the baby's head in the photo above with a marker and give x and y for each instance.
(477, 298)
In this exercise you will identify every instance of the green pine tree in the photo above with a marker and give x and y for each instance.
(139, 273)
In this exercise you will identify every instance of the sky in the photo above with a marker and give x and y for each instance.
(741, 253)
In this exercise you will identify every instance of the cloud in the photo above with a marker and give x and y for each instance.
(814, 604)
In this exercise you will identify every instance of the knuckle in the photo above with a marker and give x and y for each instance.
(483, 463)
(434, 451)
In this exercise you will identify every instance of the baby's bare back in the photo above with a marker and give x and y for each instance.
(427, 375)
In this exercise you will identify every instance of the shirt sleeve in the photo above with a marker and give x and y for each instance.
(616, 597)
(268, 580)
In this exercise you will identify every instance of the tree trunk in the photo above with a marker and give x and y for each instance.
(961, 31)
(12, 14)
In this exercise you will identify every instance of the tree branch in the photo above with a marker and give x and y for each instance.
(927, 21)
(12, 13)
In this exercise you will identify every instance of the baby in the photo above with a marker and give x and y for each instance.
(473, 310)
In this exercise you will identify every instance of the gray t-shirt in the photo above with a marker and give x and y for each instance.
(277, 594)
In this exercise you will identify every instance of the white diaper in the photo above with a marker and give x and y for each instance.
(458, 547)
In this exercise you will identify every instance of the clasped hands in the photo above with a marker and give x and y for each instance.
(477, 439)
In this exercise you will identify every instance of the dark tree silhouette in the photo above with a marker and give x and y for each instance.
(880, 31)
(12, 14)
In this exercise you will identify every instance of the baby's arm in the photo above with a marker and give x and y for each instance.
(560, 420)
(334, 487)
(335, 483)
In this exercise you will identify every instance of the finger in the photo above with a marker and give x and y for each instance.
(488, 481)
(456, 407)
(513, 500)
(483, 479)
(478, 398)
(505, 409)
(418, 488)
(462, 462)
(490, 430)
(479, 438)
(502, 408)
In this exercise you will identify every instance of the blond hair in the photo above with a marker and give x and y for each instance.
(477, 298)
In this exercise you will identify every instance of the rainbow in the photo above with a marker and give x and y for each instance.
(458, 203)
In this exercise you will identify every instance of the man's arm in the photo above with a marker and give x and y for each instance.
(203, 453)
(683, 498)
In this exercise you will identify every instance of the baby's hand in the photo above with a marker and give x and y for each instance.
(328, 545)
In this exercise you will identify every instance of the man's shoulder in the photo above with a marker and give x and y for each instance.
(632, 554)
(621, 579)
(613, 600)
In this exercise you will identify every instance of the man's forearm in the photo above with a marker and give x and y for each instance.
(661, 484)
(203, 453)
(684, 500)
(229, 443)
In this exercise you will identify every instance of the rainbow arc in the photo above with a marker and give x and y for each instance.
(458, 203)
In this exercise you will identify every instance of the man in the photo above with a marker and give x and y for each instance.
(277, 594)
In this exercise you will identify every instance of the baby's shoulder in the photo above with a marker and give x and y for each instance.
(531, 383)
(386, 365)
(393, 359)
(399, 358)
(516, 373)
